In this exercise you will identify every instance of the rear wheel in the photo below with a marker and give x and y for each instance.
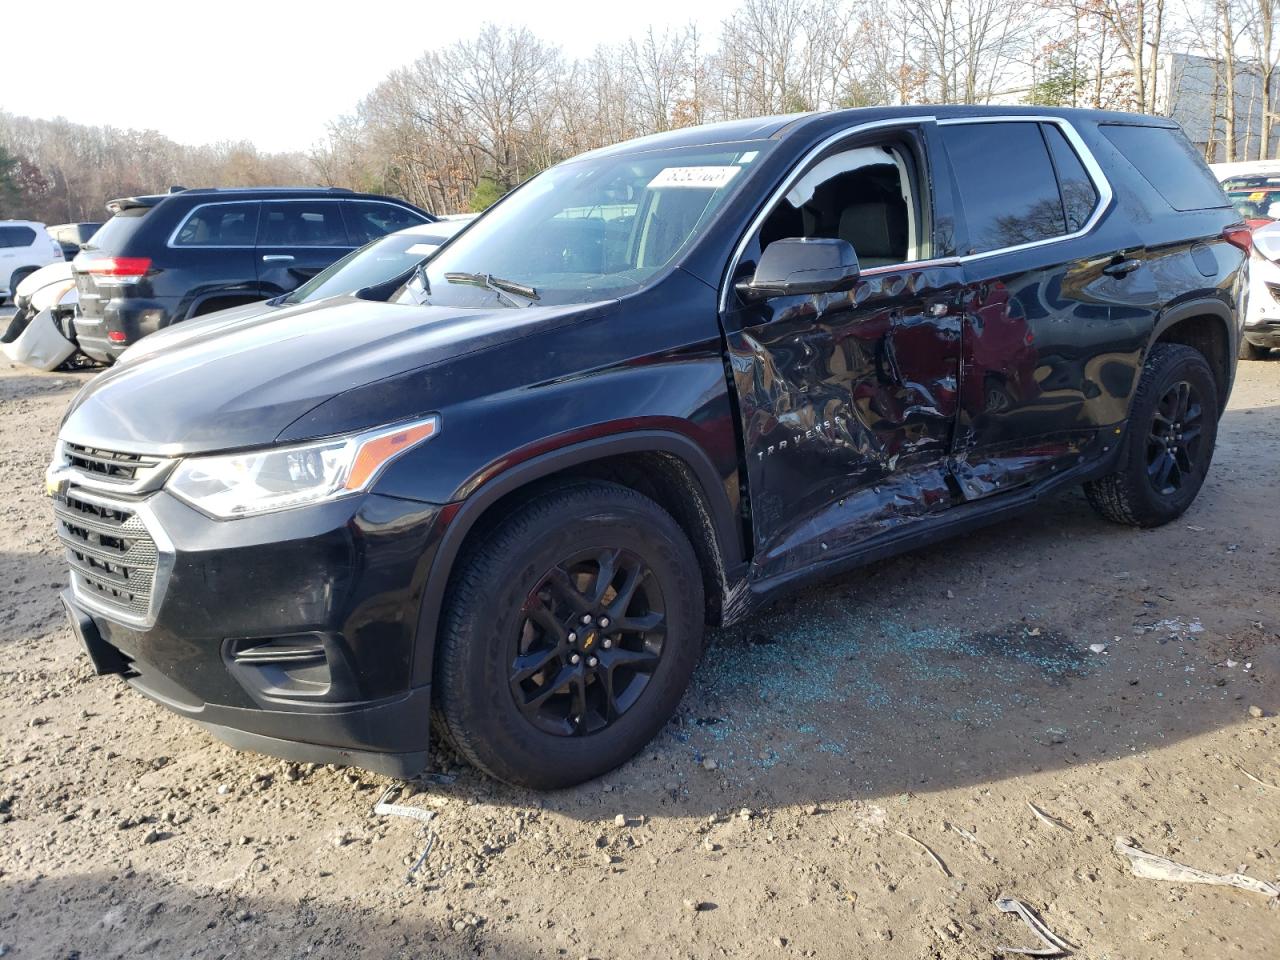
(1251, 351)
(1173, 425)
(570, 635)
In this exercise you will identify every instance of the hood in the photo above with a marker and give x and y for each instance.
(210, 324)
(241, 382)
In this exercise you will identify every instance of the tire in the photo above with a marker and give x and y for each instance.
(1145, 490)
(18, 276)
(1251, 351)
(522, 591)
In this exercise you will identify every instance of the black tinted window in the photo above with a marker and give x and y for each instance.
(213, 225)
(16, 236)
(368, 220)
(303, 223)
(115, 233)
(1079, 195)
(1007, 186)
(1170, 163)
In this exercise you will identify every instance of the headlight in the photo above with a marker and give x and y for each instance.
(260, 481)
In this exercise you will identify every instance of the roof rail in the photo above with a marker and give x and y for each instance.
(282, 189)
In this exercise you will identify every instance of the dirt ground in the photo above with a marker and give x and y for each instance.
(927, 700)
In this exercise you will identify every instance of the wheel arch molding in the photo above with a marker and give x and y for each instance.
(719, 544)
(1184, 322)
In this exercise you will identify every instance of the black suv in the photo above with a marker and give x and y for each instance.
(169, 257)
(648, 391)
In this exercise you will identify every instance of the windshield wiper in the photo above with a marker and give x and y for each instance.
(497, 285)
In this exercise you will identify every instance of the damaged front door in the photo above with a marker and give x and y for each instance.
(848, 398)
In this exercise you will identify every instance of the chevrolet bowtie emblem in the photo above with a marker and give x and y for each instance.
(589, 640)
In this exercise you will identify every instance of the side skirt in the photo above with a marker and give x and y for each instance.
(928, 530)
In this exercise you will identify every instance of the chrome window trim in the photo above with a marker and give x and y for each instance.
(277, 246)
(1092, 168)
(165, 556)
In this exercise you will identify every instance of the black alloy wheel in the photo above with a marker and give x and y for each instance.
(1170, 433)
(1174, 443)
(572, 626)
(590, 639)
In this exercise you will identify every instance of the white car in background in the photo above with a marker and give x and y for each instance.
(1262, 316)
(25, 247)
(41, 333)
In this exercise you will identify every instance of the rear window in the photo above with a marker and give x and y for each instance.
(1079, 195)
(219, 225)
(1255, 203)
(1168, 161)
(17, 236)
(115, 233)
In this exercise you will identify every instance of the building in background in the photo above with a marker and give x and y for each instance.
(1193, 91)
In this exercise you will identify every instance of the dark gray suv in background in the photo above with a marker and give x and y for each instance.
(168, 257)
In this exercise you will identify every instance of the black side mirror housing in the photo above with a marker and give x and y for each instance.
(802, 265)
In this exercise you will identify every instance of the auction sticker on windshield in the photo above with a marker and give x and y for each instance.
(705, 178)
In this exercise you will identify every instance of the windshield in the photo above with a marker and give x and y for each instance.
(589, 229)
(374, 263)
(1255, 202)
(1254, 197)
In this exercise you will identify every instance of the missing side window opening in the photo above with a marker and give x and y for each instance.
(865, 195)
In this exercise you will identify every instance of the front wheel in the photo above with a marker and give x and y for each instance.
(570, 634)
(1173, 425)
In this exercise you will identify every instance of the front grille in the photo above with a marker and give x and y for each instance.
(107, 464)
(112, 556)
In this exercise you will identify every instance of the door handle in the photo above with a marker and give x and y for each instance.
(1121, 268)
(277, 258)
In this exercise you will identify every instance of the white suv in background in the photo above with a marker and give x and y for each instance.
(25, 247)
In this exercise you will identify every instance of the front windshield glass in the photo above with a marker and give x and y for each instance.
(1255, 202)
(589, 229)
(376, 262)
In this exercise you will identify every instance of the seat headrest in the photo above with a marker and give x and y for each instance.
(866, 226)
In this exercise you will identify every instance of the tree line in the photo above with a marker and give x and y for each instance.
(463, 124)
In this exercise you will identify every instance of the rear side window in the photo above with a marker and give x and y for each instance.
(368, 220)
(1170, 164)
(1079, 195)
(17, 236)
(219, 225)
(303, 223)
(1007, 185)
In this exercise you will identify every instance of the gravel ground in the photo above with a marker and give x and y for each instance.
(928, 701)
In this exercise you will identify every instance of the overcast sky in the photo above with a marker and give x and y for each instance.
(272, 71)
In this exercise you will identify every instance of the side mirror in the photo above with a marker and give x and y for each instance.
(802, 265)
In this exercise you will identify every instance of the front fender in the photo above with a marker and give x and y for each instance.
(458, 519)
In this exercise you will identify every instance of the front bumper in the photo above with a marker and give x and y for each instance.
(1264, 334)
(293, 634)
(1262, 316)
